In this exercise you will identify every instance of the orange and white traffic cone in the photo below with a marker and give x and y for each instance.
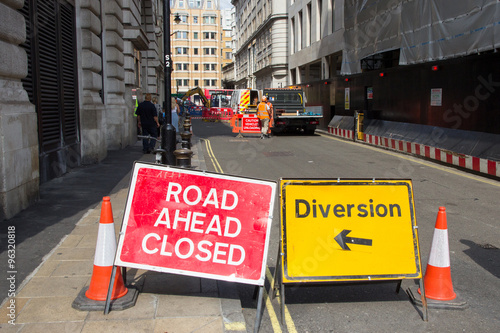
(104, 257)
(437, 279)
(95, 296)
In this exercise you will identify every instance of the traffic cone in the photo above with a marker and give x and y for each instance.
(103, 260)
(437, 279)
(95, 296)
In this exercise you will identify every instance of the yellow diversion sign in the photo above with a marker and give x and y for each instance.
(344, 230)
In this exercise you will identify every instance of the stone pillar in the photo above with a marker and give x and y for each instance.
(92, 118)
(117, 114)
(19, 167)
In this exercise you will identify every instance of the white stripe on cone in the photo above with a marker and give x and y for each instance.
(106, 245)
(440, 256)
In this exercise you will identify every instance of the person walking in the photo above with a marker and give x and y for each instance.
(263, 113)
(147, 120)
(175, 115)
(271, 117)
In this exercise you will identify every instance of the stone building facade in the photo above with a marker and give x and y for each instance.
(69, 73)
(261, 47)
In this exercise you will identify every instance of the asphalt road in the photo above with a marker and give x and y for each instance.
(472, 205)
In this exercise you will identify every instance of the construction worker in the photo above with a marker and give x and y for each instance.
(271, 117)
(263, 113)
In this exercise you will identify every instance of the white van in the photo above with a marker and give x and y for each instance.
(245, 100)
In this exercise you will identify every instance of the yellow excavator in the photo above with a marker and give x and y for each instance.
(198, 91)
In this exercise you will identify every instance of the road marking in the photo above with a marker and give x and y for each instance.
(288, 318)
(211, 154)
(270, 309)
(416, 160)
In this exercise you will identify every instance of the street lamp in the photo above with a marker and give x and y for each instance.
(168, 137)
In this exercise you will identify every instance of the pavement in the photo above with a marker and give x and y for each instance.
(55, 244)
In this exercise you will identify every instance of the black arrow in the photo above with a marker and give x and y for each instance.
(343, 240)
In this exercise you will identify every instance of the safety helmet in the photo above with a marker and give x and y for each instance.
(264, 98)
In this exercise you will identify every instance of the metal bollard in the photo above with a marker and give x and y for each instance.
(187, 125)
(186, 140)
(183, 157)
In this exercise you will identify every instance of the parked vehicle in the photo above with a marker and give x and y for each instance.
(290, 113)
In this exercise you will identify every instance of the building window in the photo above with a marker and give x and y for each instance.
(181, 35)
(195, 67)
(214, 83)
(195, 51)
(228, 55)
(185, 67)
(209, 4)
(181, 50)
(195, 35)
(179, 82)
(186, 82)
(206, 83)
(209, 35)
(195, 19)
(178, 67)
(181, 3)
(209, 19)
(213, 67)
(197, 82)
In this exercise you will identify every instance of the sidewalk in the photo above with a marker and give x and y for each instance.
(166, 302)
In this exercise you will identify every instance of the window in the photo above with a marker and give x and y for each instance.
(228, 55)
(209, 4)
(183, 18)
(185, 67)
(209, 19)
(209, 35)
(206, 82)
(181, 50)
(195, 19)
(227, 33)
(213, 67)
(214, 83)
(228, 45)
(181, 35)
(206, 67)
(195, 67)
(197, 82)
(186, 82)
(178, 67)
(198, 3)
(195, 35)
(179, 82)
(195, 51)
(181, 3)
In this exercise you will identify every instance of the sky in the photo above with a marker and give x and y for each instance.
(224, 4)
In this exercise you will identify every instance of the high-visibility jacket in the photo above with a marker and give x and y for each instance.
(262, 110)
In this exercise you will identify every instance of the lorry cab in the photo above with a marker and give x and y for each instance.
(245, 100)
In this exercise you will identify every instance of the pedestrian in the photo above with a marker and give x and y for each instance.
(157, 105)
(175, 115)
(271, 117)
(147, 120)
(263, 114)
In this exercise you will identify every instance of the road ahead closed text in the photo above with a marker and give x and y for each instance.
(197, 224)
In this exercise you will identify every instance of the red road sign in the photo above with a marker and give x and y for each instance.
(197, 223)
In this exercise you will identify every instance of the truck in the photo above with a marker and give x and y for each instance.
(290, 114)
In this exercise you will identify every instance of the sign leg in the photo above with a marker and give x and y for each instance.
(110, 290)
(276, 276)
(424, 300)
(282, 303)
(258, 318)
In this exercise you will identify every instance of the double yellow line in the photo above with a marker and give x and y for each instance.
(269, 306)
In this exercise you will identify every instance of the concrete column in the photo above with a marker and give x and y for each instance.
(19, 168)
(118, 115)
(92, 118)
